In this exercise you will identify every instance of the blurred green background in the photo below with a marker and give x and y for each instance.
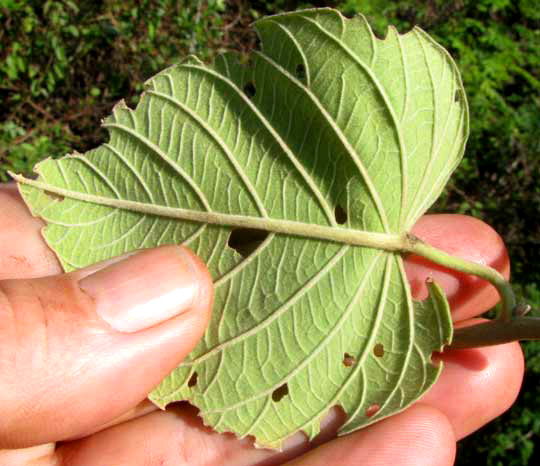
(63, 64)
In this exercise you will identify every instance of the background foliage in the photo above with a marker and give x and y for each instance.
(63, 64)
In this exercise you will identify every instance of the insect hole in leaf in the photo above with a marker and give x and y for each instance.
(280, 392)
(249, 90)
(300, 72)
(54, 196)
(340, 214)
(245, 240)
(372, 410)
(193, 380)
(378, 350)
(348, 360)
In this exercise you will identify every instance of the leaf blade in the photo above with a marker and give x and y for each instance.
(315, 123)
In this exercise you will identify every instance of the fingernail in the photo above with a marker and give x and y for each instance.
(144, 289)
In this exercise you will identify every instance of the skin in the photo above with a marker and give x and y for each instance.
(76, 392)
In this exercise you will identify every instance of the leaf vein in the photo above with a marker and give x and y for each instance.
(149, 144)
(202, 124)
(346, 144)
(319, 348)
(284, 147)
(275, 314)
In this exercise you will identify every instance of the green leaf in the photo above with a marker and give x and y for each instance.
(332, 143)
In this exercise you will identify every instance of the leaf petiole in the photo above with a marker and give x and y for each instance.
(511, 324)
(419, 247)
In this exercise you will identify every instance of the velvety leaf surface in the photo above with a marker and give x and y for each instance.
(329, 142)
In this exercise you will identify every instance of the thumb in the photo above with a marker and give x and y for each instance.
(80, 349)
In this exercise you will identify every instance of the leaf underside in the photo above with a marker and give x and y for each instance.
(326, 129)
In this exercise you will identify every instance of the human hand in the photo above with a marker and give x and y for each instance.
(67, 375)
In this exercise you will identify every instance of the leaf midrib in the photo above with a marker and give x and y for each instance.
(386, 241)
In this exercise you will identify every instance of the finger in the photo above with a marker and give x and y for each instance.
(40, 455)
(178, 436)
(141, 409)
(173, 437)
(165, 438)
(477, 385)
(76, 354)
(420, 436)
(464, 237)
(23, 253)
